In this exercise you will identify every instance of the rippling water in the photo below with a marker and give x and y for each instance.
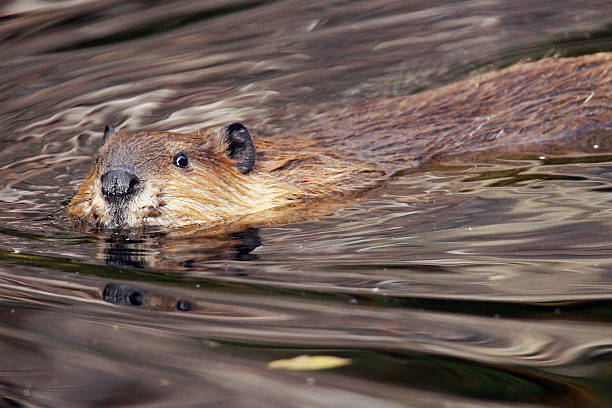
(459, 284)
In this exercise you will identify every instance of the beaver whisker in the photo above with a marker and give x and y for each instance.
(187, 218)
(82, 200)
(234, 187)
(87, 215)
(165, 218)
(238, 189)
(220, 203)
(172, 218)
(72, 205)
(225, 193)
(169, 219)
(193, 204)
(216, 200)
(79, 200)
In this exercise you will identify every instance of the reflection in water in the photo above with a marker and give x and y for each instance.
(465, 284)
(142, 250)
(122, 294)
(127, 295)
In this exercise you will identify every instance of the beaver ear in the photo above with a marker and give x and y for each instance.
(108, 132)
(240, 146)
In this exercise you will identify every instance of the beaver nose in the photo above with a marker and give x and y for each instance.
(119, 183)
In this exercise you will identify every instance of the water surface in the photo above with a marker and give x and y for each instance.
(471, 284)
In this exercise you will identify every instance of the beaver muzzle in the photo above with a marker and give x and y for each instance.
(119, 185)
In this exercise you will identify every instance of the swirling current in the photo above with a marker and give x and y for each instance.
(457, 284)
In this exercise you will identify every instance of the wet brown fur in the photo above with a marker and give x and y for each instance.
(211, 190)
(535, 107)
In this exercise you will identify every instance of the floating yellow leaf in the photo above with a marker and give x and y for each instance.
(305, 362)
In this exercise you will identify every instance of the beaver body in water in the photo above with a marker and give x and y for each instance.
(176, 179)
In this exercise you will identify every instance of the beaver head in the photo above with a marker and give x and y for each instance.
(174, 179)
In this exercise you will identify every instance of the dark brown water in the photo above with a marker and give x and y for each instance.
(476, 285)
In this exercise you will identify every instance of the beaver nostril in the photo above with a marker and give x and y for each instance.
(132, 185)
(119, 183)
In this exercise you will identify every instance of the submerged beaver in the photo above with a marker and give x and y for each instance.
(177, 179)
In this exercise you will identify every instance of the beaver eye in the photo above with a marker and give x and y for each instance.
(181, 161)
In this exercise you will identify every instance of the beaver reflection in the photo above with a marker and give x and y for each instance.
(162, 250)
(127, 295)
(125, 251)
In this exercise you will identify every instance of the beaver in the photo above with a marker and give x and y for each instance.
(177, 179)
(173, 179)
